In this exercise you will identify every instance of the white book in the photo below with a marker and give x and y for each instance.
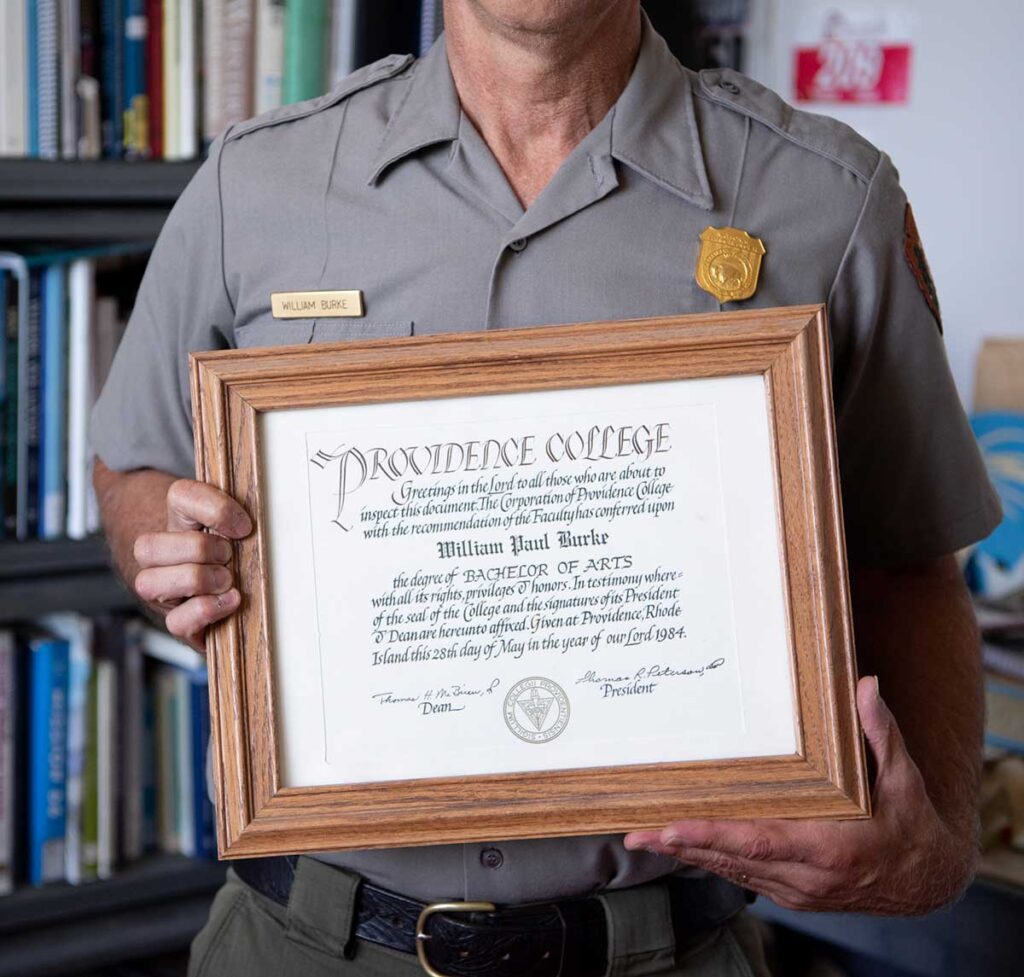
(106, 764)
(269, 60)
(81, 302)
(90, 140)
(213, 69)
(13, 97)
(70, 41)
(162, 647)
(77, 630)
(184, 813)
(8, 704)
(172, 93)
(343, 39)
(188, 122)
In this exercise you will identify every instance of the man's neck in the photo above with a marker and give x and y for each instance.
(533, 95)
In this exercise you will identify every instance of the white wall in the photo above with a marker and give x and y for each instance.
(959, 146)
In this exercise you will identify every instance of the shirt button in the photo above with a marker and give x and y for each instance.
(491, 858)
(730, 87)
(519, 244)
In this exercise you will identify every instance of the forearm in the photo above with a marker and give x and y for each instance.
(131, 504)
(915, 630)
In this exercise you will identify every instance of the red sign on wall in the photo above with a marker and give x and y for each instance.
(853, 70)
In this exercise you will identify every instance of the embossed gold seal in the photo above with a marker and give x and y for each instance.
(729, 263)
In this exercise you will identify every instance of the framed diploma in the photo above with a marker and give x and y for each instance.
(554, 581)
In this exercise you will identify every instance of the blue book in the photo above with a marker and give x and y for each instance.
(135, 109)
(48, 72)
(150, 827)
(4, 399)
(32, 77)
(205, 832)
(48, 724)
(112, 76)
(53, 415)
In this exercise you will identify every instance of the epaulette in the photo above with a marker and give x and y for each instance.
(819, 134)
(366, 76)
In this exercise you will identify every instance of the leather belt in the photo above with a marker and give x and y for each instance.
(543, 940)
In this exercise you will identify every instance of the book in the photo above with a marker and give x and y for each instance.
(135, 105)
(431, 23)
(8, 726)
(162, 647)
(13, 78)
(171, 83)
(32, 78)
(213, 70)
(131, 694)
(305, 50)
(87, 86)
(205, 830)
(165, 750)
(237, 55)
(106, 767)
(76, 630)
(5, 404)
(155, 75)
(343, 39)
(29, 335)
(48, 691)
(70, 51)
(14, 288)
(188, 145)
(48, 78)
(53, 397)
(90, 785)
(269, 59)
(81, 341)
(184, 808)
(1004, 713)
(112, 76)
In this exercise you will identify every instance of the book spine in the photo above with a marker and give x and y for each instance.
(70, 33)
(111, 76)
(90, 140)
(79, 672)
(155, 75)
(132, 740)
(48, 57)
(28, 406)
(106, 768)
(150, 773)
(49, 690)
(237, 100)
(305, 49)
(269, 58)
(184, 817)
(13, 69)
(188, 144)
(165, 744)
(343, 39)
(82, 289)
(5, 444)
(90, 783)
(54, 397)
(135, 106)
(8, 707)
(205, 833)
(171, 62)
(32, 78)
(213, 69)
(9, 473)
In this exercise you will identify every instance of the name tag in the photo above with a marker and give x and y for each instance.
(318, 305)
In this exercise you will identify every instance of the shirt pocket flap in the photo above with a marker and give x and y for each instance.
(291, 332)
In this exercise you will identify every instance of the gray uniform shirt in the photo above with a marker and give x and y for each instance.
(384, 185)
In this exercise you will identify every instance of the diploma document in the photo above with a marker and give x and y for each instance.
(528, 581)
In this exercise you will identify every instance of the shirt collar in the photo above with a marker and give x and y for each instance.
(654, 125)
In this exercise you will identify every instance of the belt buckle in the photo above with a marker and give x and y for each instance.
(422, 936)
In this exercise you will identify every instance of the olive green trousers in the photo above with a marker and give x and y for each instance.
(249, 935)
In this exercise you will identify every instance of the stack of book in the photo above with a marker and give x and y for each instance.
(159, 79)
(62, 314)
(103, 731)
(1002, 632)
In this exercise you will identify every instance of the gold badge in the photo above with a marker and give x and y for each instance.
(316, 305)
(729, 264)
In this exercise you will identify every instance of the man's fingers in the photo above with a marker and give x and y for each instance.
(196, 505)
(880, 727)
(172, 549)
(189, 620)
(163, 585)
(758, 841)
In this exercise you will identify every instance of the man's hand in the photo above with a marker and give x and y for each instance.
(182, 571)
(904, 861)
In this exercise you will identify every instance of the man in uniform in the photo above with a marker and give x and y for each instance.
(552, 162)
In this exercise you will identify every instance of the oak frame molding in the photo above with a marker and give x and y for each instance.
(826, 778)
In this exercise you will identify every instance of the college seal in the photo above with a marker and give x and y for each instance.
(729, 263)
(536, 710)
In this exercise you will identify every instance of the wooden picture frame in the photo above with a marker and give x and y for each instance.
(257, 814)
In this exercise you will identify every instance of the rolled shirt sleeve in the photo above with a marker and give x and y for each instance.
(914, 485)
(142, 418)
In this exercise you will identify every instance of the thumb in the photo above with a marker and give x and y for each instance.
(879, 724)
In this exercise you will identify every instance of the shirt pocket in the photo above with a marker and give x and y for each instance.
(291, 332)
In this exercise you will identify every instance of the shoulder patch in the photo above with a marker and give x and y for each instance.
(366, 76)
(916, 258)
(827, 137)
